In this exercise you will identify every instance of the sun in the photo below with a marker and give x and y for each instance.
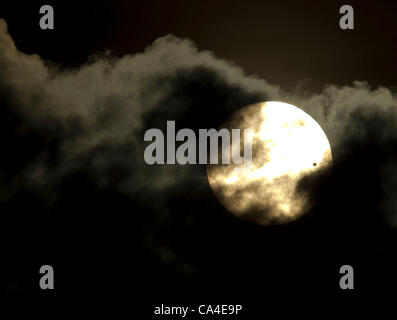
(288, 146)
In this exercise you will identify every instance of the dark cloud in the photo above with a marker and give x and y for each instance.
(107, 104)
(72, 142)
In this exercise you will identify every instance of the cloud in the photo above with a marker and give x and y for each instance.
(334, 107)
(72, 137)
(106, 103)
(104, 106)
(360, 123)
(56, 123)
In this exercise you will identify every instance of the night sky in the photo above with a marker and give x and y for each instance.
(124, 236)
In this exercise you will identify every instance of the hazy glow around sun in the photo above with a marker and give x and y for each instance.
(287, 145)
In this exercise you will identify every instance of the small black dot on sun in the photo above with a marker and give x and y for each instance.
(314, 164)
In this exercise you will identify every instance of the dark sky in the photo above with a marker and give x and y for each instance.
(285, 42)
(125, 236)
